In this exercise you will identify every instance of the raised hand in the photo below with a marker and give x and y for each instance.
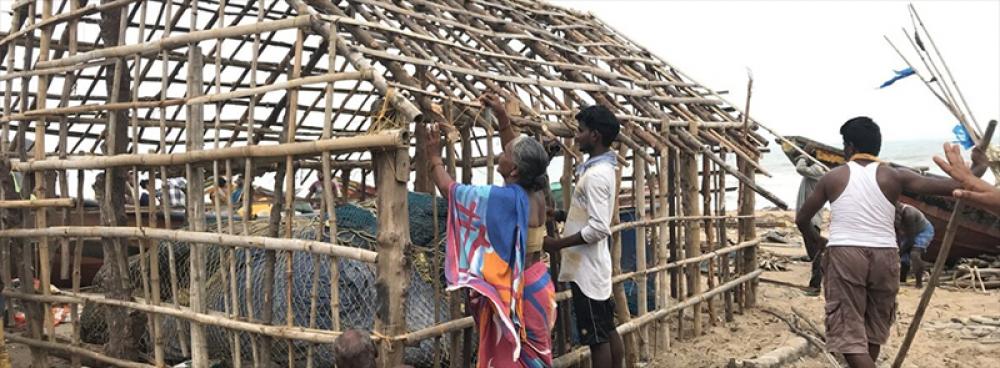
(973, 189)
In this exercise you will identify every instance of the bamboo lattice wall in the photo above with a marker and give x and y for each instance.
(98, 94)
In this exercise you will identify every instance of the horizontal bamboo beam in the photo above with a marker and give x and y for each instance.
(415, 337)
(73, 350)
(289, 84)
(81, 12)
(660, 220)
(178, 41)
(387, 139)
(578, 354)
(260, 242)
(686, 261)
(39, 203)
(209, 319)
(79, 109)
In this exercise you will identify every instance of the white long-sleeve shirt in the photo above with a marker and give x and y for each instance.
(589, 265)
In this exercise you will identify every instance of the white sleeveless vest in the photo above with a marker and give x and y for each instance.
(862, 216)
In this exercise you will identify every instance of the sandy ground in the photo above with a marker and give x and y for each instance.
(941, 342)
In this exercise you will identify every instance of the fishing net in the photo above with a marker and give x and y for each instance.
(356, 227)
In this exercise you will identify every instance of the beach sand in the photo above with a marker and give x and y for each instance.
(939, 343)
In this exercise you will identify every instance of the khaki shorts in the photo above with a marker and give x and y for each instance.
(860, 285)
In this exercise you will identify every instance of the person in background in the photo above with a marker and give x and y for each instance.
(913, 234)
(143, 194)
(315, 195)
(176, 189)
(220, 191)
(236, 198)
(354, 348)
(584, 251)
(494, 242)
(861, 260)
(974, 190)
(811, 173)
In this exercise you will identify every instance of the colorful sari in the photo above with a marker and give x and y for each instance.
(486, 236)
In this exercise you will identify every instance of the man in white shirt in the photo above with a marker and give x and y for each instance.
(586, 257)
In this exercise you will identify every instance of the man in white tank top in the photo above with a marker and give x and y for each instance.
(860, 260)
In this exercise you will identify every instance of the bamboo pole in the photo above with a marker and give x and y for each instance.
(974, 125)
(120, 345)
(196, 207)
(725, 269)
(289, 189)
(216, 319)
(639, 191)
(248, 177)
(39, 203)
(328, 194)
(925, 298)
(662, 248)
(692, 239)
(41, 190)
(747, 229)
(706, 197)
(77, 351)
(383, 140)
(393, 239)
(618, 291)
(77, 269)
(181, 40)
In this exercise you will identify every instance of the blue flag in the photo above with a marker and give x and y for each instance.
(900, 74)
(962, 136)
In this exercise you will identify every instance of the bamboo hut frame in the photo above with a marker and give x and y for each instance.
(193, 101)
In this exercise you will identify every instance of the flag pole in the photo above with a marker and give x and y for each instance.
(978, 132)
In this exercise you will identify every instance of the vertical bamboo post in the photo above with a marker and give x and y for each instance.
(692, 236)
(120, 344)
(77, 266)
(392, 171)
(724, 265)
(639, 197)
(4, 357)
(328, 195)
(621, 301)
(196, 204)
(292, 115)
(563, 318)
(747, 232)
(248, 177)
(707, 181)
(41, 190)
(676, 231)
(663, 238)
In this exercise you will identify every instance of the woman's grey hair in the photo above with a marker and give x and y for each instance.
(532, 163)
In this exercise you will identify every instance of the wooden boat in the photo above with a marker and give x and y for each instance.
(979, 230)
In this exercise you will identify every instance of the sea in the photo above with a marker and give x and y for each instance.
(784, 182)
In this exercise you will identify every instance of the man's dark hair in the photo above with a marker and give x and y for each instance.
(862, 133)
(354, 348)
(602, 120)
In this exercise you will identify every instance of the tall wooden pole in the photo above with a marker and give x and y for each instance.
(639, 196)
(196, 206)
(392, 171)
(692, 236)
(748, 231)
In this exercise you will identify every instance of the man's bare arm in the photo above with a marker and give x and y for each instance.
(809, 209)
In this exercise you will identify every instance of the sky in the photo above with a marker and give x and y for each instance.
(816, 64)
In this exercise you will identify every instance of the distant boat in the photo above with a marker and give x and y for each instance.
(979, 230)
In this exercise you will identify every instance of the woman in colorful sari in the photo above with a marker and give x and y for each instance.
(494, 245)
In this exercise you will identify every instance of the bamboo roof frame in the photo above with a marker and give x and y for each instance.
(451, 51)
(237, 89)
